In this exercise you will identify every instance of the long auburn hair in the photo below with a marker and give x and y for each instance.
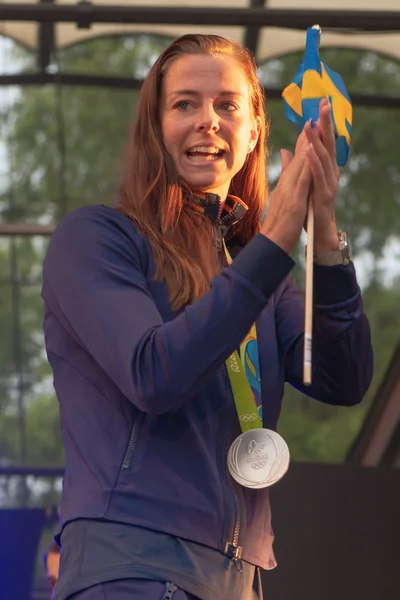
(152, 194)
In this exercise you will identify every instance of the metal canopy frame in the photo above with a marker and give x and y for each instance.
(131, 83)
(84, 14)
(378, 442)
(375, 443)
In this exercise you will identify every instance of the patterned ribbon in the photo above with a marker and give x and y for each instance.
(244, 375)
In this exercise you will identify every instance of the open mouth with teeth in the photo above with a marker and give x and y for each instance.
(204, 153)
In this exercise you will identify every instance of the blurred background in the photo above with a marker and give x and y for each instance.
(68, 90)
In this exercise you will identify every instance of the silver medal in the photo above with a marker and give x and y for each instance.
(258, 458)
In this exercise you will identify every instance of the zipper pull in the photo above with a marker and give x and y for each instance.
(170, 589)
(234, 553)
(238, 564)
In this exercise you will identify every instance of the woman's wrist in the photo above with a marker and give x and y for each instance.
(327, 242)
(326, 245)
(280, 240)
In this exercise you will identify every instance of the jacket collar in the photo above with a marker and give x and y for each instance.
(223, 214)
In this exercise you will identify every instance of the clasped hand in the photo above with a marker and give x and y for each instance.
(311, 172)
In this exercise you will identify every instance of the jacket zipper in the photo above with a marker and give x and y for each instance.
(232, 549)
(132, 443)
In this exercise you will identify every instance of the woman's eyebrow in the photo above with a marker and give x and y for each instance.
(194, 93)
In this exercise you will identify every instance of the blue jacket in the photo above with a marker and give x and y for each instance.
(147, 413)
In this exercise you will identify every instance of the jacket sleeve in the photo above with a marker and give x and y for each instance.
(95, 282)
(342, 358)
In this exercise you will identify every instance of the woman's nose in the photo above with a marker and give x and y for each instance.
(208, 119)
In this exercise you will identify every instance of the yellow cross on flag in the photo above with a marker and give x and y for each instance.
(313, 81)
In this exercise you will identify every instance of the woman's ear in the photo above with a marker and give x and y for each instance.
(254, 134)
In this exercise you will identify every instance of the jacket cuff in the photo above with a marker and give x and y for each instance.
(334, 284)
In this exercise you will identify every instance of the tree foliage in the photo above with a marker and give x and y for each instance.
(63, 149)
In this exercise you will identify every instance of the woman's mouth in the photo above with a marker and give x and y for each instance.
(204, 153)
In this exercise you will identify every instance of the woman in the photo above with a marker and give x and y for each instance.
(142, 311)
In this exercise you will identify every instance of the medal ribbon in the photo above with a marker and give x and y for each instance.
(244, 376)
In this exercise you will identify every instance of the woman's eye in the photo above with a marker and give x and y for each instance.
(229, 106)
(182, 105)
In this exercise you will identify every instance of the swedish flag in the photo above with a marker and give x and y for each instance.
(313, 81)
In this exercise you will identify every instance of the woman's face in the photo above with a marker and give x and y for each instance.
(207, 121)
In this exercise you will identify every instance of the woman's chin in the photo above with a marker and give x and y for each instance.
(209, 186)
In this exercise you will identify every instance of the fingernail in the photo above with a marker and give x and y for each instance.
(313, 124)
